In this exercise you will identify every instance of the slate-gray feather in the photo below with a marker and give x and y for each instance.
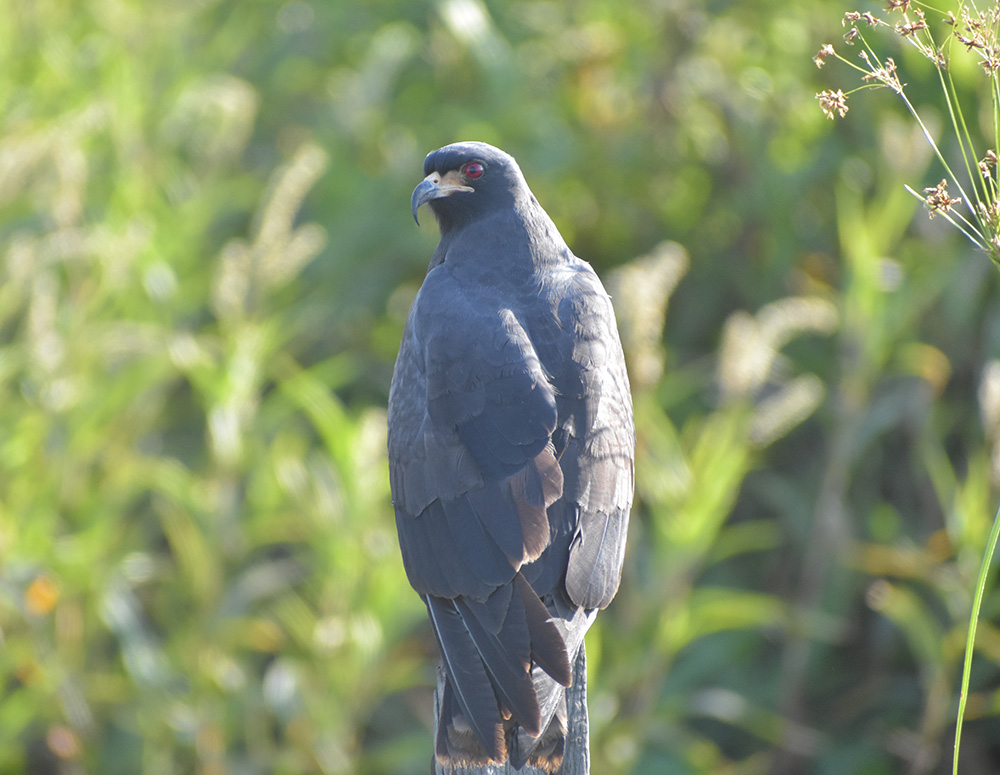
(511, 447)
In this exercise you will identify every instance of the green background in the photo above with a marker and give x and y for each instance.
(206, 259)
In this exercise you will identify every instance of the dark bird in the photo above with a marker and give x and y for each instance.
(511, 447)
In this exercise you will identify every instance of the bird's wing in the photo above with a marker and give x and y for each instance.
(473, 471)
(595, 440)
(472, 464)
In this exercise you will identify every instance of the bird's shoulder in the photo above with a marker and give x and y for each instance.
(578, 295)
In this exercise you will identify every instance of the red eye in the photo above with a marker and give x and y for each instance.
(473, 170)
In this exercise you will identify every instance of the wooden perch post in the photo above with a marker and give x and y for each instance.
(576, 760)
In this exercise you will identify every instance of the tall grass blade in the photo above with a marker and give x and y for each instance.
(970, 641)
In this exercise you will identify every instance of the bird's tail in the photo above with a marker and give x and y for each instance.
(527, 723)
(458, 744)
(505, 658)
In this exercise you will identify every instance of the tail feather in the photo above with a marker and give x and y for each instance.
(548, 648)
(468, 677)
(509, 669)
(544, 750)
(457, 742)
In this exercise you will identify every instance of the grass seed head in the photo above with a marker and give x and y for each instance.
(831, 102)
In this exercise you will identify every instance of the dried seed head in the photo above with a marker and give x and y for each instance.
(886, 74)
(831, 102)
(823, 53)
(908, 28)
(979, 33)
(989, 215)
(938, 200)
(989, 160)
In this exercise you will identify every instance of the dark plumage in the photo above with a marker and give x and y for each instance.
(511, 446)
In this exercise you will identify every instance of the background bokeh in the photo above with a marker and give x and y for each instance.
(206, 259)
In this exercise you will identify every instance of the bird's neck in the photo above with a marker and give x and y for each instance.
(510, 246)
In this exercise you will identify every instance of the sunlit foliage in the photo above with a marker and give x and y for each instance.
(206, 259)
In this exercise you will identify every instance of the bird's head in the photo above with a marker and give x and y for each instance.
(465, 181)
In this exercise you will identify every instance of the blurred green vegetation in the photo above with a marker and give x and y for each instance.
(206, 258)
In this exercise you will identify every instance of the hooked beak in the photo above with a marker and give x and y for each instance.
(436, 186)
